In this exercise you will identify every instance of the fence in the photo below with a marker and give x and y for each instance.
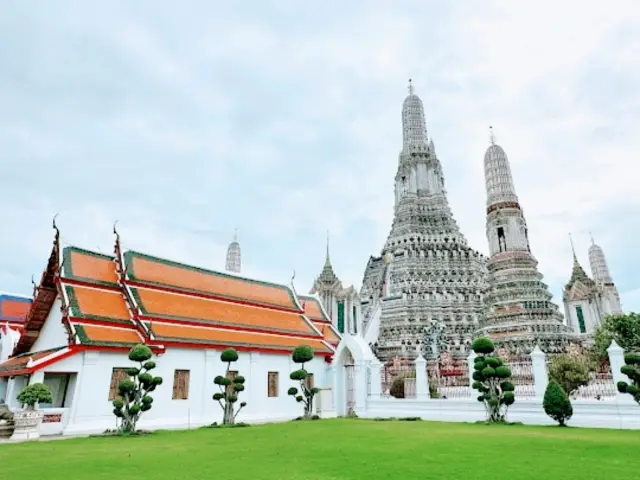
(448, 378)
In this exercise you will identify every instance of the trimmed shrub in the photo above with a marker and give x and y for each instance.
(491, 380)
(556, 403)
(632, 370)
(34, 394)
(570, 371)
(134, 391)
(303, 354)
(229, 389)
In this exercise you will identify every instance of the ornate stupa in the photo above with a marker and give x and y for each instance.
(602, 277)
(234, 256)
(426, 274)
(520, 313)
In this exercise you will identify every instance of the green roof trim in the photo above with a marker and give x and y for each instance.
(212, 323)
(129, 256)
(77, 313)
(84, 340)
(67, 265)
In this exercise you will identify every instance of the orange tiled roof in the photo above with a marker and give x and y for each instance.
(107, 336)
(216, 312)
(312, 308)
(328, 332)
(19, 362)
(231, 338)
(144, 268)
(88, 266)
(13, 308)
(97, 304)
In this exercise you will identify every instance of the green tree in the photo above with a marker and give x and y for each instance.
(491, 377)
(302, 355)
(397, 384)
(134, 391)
(556, 403)
(632, 370)
(570, 371)
(34, 394)
(229, 389)
(624, 329)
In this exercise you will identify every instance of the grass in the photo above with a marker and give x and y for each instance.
(332, 450)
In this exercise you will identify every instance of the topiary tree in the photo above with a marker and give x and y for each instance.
(632, 370)
(570, 371)
(33, 394)
(491, 377)
(556, 403)
(134, 391)
(229, 388)
(302, 355)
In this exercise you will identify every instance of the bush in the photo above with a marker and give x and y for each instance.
(570, 372)
(134, 391)
(490, 379)
(556, 403)
(632, 370)
(303, 354)
(624, 329)
(33, 394)
(229, 389)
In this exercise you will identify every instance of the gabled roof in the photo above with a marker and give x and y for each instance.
(20, 364)
(150, 270)
(14, 308)
(44, 295)
(314, 310)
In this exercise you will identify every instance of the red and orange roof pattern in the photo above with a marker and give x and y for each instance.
(313, 309)
(18, 364)
(157, 271)
(175, 303)
(13, 308)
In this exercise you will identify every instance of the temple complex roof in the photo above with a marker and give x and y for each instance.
(314, 311)
(14, 309)
(119, 300)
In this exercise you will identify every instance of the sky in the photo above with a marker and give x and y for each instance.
(183, 121)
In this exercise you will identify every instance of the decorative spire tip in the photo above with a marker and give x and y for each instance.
(492, 137)
(410, 87)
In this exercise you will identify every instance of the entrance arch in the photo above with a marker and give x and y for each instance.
(351, 362)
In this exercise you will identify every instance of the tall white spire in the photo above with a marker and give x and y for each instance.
(234, 262)
(598, 264)
(497, 174)
(414, 125)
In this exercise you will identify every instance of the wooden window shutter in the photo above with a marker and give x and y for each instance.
(309, 381)
(181, 385)
(117, 375)
(272, 384)
(231, 375)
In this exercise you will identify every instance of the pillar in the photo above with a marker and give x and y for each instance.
(616, 361)
(540, 375)
(360, 380)
(375, 380)
(470, 362)
(422, 382)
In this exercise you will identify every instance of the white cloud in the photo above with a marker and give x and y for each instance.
(286, 125)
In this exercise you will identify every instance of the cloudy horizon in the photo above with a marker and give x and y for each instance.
(282, 120)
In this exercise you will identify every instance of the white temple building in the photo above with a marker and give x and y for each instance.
(341, 304)
(426, 278)
(588, 301)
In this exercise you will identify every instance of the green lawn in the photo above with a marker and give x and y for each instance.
(335, 449)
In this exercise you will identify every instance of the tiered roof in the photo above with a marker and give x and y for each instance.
(314, 311)
(116, 301)
(14, 309)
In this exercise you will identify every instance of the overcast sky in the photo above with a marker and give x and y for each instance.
(185, 120)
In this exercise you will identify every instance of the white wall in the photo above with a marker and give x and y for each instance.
(91, 411)
(53, 333)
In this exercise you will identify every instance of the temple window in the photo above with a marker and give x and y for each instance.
(341, 317)
(117, 375)
(580, 315)
(502, 243)
(272, 384)
(180, 385)
(231, 375)
(309, 381)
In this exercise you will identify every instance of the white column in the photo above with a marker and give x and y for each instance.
(422, 382)
(616, 361)
(332, 383)
(86, 376)
(210, 410)
(360, 372)
(540, 375)
(470, 362)
(375, 379)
